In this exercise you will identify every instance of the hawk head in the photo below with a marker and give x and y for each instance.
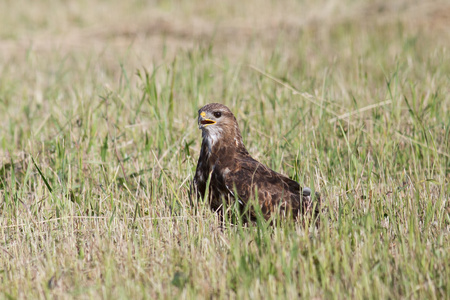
(218, 123)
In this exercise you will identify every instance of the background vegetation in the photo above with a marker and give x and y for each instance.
(99, 143)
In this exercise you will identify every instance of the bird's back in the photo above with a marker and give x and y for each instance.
(273, 191)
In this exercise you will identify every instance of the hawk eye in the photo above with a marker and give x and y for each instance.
(217, 114)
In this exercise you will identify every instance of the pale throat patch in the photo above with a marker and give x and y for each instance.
(212, 134)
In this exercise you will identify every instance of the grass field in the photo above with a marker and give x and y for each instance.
(99, 143)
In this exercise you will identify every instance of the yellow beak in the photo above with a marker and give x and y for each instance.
(203, 121)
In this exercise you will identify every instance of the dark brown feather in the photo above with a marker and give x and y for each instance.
(234, 174)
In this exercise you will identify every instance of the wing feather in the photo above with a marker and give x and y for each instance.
(274, 190)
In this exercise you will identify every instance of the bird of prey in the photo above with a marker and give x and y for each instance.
(234, 175)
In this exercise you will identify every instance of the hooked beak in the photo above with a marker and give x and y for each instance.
(203, 121)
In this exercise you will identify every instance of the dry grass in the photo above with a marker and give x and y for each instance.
(349, 98)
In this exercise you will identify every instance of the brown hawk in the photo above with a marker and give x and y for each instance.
(235, 175)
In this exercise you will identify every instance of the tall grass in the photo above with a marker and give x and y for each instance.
(99, 144)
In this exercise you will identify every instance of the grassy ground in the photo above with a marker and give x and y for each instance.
(99, 143)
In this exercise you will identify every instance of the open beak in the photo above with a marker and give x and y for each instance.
(203, 122)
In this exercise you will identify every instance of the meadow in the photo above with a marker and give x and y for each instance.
(99, 144)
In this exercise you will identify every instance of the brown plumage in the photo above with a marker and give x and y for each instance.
(235, 175)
